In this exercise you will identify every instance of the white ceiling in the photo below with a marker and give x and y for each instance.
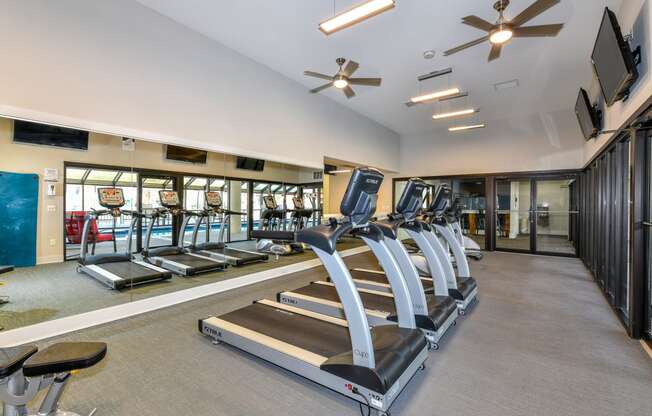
(283, 35)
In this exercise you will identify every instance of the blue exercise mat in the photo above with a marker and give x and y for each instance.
(18, 218)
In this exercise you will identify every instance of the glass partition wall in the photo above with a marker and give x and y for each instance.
(523, 213)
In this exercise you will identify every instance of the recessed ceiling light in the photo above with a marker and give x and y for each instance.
(434, 95)
(355, 15)
(454, 114)
(429, 54)
(469, 127)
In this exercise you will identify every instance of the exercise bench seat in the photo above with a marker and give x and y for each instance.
(64, 357)
(12, 358)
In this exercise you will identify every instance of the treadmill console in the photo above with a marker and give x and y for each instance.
(213, 199)
(440, 200)
(298, 203)
(359, 202)
(411, 200)
(111, 198)
(169, 199)
(270, 202)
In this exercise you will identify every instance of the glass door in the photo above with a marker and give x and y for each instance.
(165, 228)
(513, 215)
(648, 245)
(554, 216)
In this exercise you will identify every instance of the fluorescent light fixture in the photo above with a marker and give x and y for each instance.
(355, 15)
(335, 172)
(469, 127)
(435, 95)
(454, 114)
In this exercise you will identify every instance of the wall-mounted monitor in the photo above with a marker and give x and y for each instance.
(183, 154)
(587, 115)
(248, 163)
(46, 135)
(613, 60)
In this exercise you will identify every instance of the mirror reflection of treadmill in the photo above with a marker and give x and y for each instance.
(219, 250)
(116, 270)
(178, 259)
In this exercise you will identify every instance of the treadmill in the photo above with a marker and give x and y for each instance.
(219, 250)
(369, 365)
(177, 258)
(434, 313)
(116, 270)
(434, 259)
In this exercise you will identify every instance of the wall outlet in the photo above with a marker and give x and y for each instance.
(52, 208)
(53, 242)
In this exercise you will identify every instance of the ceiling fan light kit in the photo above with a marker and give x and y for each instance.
(501, 32)
(451, 114)
(355, 15)
(342, 79)
(466, 128)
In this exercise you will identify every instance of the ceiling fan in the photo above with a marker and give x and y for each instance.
(504, 30)
(342, 80)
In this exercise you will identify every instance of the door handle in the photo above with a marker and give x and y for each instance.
(647, 223)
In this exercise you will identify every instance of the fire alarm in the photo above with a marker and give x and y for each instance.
(429, 54)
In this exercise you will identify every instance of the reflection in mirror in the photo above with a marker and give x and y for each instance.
(140, 169)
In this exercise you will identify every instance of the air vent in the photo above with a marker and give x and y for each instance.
(506, 85)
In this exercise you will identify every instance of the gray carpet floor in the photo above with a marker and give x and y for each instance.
(51, 291)
(542, 341)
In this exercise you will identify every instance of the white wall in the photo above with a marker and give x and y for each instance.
(538, 142)
(118, 67)
(634, 17)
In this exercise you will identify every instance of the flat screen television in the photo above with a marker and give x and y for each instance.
(613, 60)
(183, 154)
(46, 135)
(587, 116)
(248, 163)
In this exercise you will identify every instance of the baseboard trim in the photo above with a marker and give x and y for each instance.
(49, 259)
(647, 347)
(65, 325)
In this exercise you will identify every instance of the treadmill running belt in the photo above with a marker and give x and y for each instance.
(369, 300)
(382, 278)
(131, 271)
(242, 254)
(319, 337)
(196, 263)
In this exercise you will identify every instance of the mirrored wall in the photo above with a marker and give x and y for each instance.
(66, 178)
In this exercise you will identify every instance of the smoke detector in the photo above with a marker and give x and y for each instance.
(429, 54)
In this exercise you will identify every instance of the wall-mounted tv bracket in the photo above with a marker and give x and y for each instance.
(636, 52)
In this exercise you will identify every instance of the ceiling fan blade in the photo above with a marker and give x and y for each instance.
(321, 88)
(348, 92)
(478, 23)
(317, 75)
(350, 68)
(495, 52)
(533, 11)
(537, 31)
(372, 82)
(466, 45)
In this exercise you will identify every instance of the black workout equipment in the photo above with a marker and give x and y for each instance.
(177, 258)
(218, 250)
(116, 270)
(25, 371)
(272, 238)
